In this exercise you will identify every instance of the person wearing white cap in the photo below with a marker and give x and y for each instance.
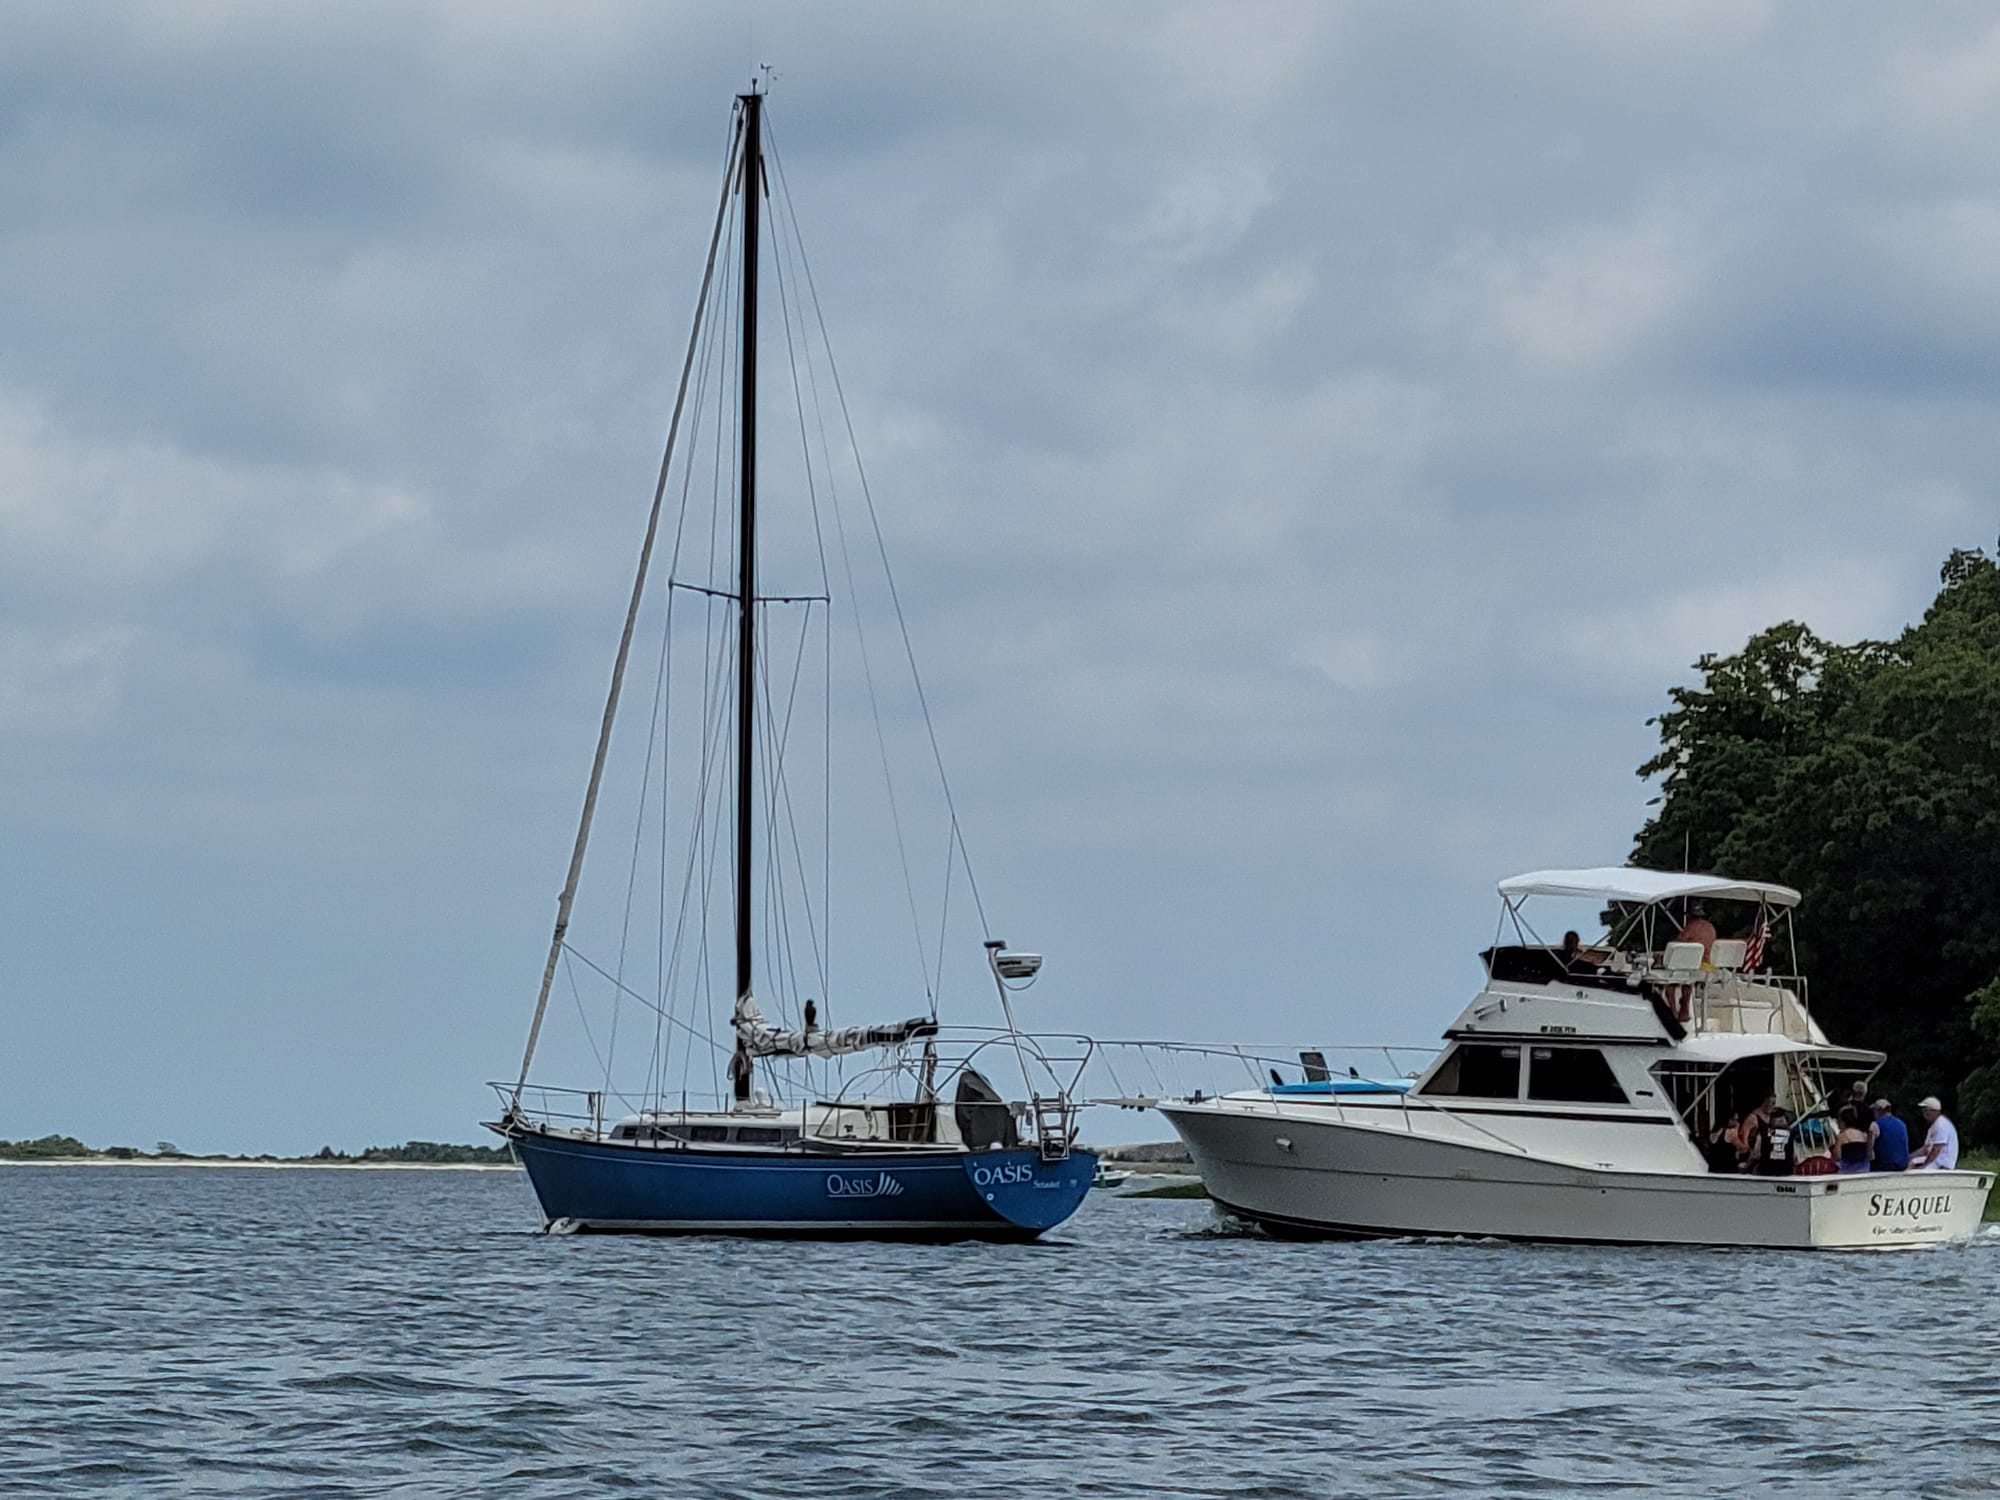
(1939, 1152)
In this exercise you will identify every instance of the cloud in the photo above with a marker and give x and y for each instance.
(55, 682)
(134, 515)
(1355, 662)
(1658, 638)
(1202, 212)
(1940, 89)
(1590, 295)
(1310, 438)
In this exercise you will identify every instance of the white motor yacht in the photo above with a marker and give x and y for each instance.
(1576, 1093)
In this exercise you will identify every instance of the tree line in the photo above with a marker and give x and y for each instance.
(69, 1148)
(1868, 777)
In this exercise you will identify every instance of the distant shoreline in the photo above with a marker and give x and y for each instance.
(152, 1162)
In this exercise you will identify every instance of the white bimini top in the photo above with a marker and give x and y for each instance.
(1620, 883)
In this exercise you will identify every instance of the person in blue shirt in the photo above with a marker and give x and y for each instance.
(1892, 1140)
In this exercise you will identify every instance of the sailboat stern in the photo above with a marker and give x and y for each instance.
(1027, 1191)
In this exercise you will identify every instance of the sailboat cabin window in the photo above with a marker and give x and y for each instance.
(708, 1133)
(1572, 1075)
(1478, 1070)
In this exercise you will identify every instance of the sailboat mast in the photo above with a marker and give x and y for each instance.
(567, 900)
(746, 536)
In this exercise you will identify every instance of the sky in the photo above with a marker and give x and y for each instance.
(1312, 439)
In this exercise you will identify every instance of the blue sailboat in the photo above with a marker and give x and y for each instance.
(919, 1142)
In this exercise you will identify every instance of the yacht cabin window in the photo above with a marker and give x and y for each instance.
(1572, 1075)
(1478, 1070)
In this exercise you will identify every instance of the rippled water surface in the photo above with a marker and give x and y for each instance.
(322, 1333)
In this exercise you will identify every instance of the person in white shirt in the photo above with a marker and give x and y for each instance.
(1939, 1152)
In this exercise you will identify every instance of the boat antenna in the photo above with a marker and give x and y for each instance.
(567, 900)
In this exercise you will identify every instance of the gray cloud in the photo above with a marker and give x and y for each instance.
(1310, 438)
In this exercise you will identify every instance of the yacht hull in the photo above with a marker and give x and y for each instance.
(1301, 1175)
(606, 1187)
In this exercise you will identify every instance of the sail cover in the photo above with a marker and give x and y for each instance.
(761, 1039)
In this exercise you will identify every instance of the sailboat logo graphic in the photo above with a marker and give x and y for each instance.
(881, 1185)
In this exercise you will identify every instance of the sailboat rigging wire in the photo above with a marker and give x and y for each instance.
(761, 598)
(777, 926)
(782, 245)
(826, 812)
(567, 900)
(656, 1061)
(861, 633)
(820, 957)
(654, 723)
(603, 1058)
(902, 625)
(656, 1066)
(577, 996)
(701, 849)
(784, 795)
(605, 974)
(944, 918)
(779, 793)
(659, 717)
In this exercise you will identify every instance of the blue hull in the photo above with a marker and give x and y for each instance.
(593, 1185)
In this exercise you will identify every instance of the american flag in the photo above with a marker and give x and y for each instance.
(1753, 955)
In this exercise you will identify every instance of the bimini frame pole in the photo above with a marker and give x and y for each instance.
(566, 901)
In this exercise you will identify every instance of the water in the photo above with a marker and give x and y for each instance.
(308, 1333)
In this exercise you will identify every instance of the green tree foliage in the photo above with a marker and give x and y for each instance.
(46, 1148)
(436, 1152)
(1868, 776)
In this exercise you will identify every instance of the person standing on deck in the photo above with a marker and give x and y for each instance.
(1856, 1100)
(1776, 1154)
(1891, 1138)
(1723, 1152)
(1697, 929)
(1754, 1125)
(1939, 1152)
(1854, 1146)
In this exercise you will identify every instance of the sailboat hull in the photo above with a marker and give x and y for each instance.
(605, 1187)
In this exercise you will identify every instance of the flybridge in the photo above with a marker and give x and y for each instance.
(1697, 948)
